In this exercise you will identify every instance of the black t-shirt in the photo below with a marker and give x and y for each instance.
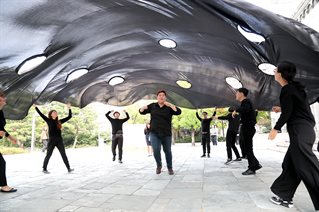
(3, 123)
(233, 123)
(117, 123)
(247, 112)
(161, 118)
(205, 123)
(294, 107)
(54, 130)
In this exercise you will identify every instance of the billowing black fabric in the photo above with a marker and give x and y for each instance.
(120, 37)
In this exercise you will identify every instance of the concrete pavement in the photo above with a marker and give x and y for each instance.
(98, 184)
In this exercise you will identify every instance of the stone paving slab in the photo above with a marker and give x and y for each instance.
(100, 185)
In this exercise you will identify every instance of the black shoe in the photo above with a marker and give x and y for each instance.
(158, 169)
(203, 156)
(258, 167)
(279, 201)
(248, 172)
(9, 191)
(70, 170)
(237, 159)
(208, 156)
(120, 161)
(45, 171)
(228, 161)
(170, 172)
(113, 158)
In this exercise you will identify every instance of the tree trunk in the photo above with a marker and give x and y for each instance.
(76, 136)
(193, 137)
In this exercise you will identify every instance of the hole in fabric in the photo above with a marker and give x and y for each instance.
(168, 43)
(251, 36)
(76, 74)
(267, 68)
(30, 63)
(116, 80)
(233, 82)
(184, 84)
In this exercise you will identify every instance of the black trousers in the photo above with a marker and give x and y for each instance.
(230, 144)
(206, 143)
(55, 142)
(3, 179)
(300, 163)
(248, 132)
(242, 144)
(117, 140)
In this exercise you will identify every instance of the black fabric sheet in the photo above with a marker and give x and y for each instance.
(120, 37)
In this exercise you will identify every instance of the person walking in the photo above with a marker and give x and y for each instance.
(147, 131)
(205, 132)
(117, 132)
(161, 129)
(300, 162)
(3, 179)
(233, 125)
(248, 120)
(55, 136)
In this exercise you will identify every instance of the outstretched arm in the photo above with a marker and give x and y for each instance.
(40, 113)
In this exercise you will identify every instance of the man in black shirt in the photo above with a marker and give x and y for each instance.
(233, 125)
(117, 132)
(248, 120)
(3, 132)
(205, 124)
(161, 129)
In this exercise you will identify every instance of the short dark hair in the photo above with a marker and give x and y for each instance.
(161, 91)
(205, 112)
(116, 112)
(287, 69)
(243, 91)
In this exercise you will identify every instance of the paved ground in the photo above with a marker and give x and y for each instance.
(98, 184)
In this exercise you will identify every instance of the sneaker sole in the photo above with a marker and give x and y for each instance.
(273, 201)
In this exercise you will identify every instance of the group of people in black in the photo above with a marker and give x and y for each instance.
(300, 163)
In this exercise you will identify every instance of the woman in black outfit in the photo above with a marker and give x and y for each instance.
(3, 133)
(300, 163)
(55, 137)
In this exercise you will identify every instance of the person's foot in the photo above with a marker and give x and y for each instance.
(208, 155)
(228, 161)
(258, 167)
(249, 172)
(280, 201)
(70, 170)
(45, 171)
(120, 161)
(8, 189)
(170, 172)
(204, 155)
(113, 158)
(237, 159)
(158, 170)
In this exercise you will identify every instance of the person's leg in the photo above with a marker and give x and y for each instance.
(167, 144)
(120, 146)
(248, 134)
(114, 144)
(207, 142)
(233, 136)
(228, 145)
(242, 144)
(286, 184)
(51, 145)
(61, 148)
(302, 138)
(3, 178)
(156, 144)
(204, 146)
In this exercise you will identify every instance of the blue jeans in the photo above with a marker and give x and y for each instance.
(166, 142)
